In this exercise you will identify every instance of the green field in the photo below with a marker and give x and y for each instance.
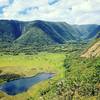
(45, 62)
(29, 65)
(75, 78)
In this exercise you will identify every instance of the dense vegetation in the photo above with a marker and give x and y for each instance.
(81, 81)
(77, 78)
(70, 47)
(50, 59)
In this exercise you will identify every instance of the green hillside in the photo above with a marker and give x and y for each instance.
(35, 32)
(34, 37)
(40, 33)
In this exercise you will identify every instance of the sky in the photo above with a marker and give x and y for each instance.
(70, 11)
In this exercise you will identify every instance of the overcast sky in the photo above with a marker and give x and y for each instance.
(70, 11)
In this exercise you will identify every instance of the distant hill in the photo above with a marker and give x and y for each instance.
(9, 30)
(38, 33)
(88, 31)
(46, 33)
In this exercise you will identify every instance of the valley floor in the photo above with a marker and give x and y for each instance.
(29, 65)
(75, 78)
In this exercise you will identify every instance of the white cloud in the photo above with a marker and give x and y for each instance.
(4, 2)
(71, 11)
(88, 19)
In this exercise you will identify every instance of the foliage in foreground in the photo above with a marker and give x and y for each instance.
(81, 81)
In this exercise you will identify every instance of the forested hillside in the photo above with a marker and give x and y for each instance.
(39, 33)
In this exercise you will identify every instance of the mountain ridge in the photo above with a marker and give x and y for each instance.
(43, 32)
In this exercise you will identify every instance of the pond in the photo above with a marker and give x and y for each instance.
(23, 84)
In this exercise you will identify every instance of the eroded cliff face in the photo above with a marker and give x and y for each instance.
(93, 51)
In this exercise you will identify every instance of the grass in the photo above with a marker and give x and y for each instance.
(45, 62)
(29, 65)
(69, 67)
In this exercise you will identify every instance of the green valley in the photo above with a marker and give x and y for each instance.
(31, 48)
